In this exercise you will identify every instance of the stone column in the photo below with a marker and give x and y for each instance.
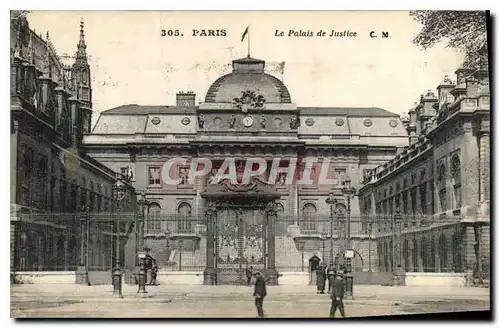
(469, 253)
(484, 174)
(420, 267)
(411, 267)
(271, 258)
(210, 275)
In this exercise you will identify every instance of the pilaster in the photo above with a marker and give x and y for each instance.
(209, 274)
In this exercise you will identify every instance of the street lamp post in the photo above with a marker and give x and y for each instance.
(83, 270)
(348, 191)
(301, 244)
(330, 200)
(324, 235)
(180, 254)
(396, 221)
(143, 204)
(119, 193)
(370, 247)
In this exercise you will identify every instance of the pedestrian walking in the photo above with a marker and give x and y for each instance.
(330, 275)
(249, 275)
(320, 278)
(259, 293)
(338, 288)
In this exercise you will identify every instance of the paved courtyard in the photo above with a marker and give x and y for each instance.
(189, 301)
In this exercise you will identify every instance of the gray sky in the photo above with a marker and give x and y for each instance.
(133, 64)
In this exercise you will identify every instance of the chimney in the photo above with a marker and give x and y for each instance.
(412, 124)
(426, 110)
(186, 99)
(444, 89)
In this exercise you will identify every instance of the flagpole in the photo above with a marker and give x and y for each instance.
(248, 44)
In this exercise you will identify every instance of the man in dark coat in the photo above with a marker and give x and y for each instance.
(320, 278)
(330, 275)
(259, 293)
(338, 288)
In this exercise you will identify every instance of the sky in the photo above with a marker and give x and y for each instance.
(132, 63)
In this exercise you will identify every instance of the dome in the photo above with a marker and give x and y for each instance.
(248, 75)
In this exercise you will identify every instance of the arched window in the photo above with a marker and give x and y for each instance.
(184, 217)
(154, 219)
(456, 182)
(423, 193)
(308, 215)
(442, 187)
(92, 197)
(405, 196)
(391, 201)
(443, 254)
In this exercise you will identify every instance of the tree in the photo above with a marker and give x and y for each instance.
(465, 31)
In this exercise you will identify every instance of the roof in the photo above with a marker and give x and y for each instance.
(230, 86)
(248, 60)
(347, 111)
(134, 109)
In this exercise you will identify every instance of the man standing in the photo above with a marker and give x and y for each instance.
(320, 278)
(338, 288)
(259, 293)
(331, 275)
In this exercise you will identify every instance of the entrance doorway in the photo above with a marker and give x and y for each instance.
(313, 265)
(240, 243)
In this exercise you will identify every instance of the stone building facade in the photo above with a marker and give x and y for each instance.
(431, 202)
(53, 180)
(245, 114)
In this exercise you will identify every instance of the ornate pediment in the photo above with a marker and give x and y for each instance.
(249, 100)
(255, 188)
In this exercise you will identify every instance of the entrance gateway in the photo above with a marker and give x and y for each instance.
(240, 232)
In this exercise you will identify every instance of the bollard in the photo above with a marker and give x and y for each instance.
(142, 281)
(117, 282)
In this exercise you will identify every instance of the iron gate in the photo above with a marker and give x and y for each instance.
(240, 243)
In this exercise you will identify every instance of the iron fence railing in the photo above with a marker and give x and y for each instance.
(64, 241)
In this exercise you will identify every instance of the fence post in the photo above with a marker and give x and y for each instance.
(209, 274)
(271, 249)
(82, 274)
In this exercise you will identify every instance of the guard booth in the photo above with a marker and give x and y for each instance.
(313, 265)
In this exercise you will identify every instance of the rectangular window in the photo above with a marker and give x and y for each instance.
(423, 198)
(183, 174)
(339, 173)
(281, 178)
(431, 186)
(154, 176)
(458, 198)
(442, 200)
(413, 196)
